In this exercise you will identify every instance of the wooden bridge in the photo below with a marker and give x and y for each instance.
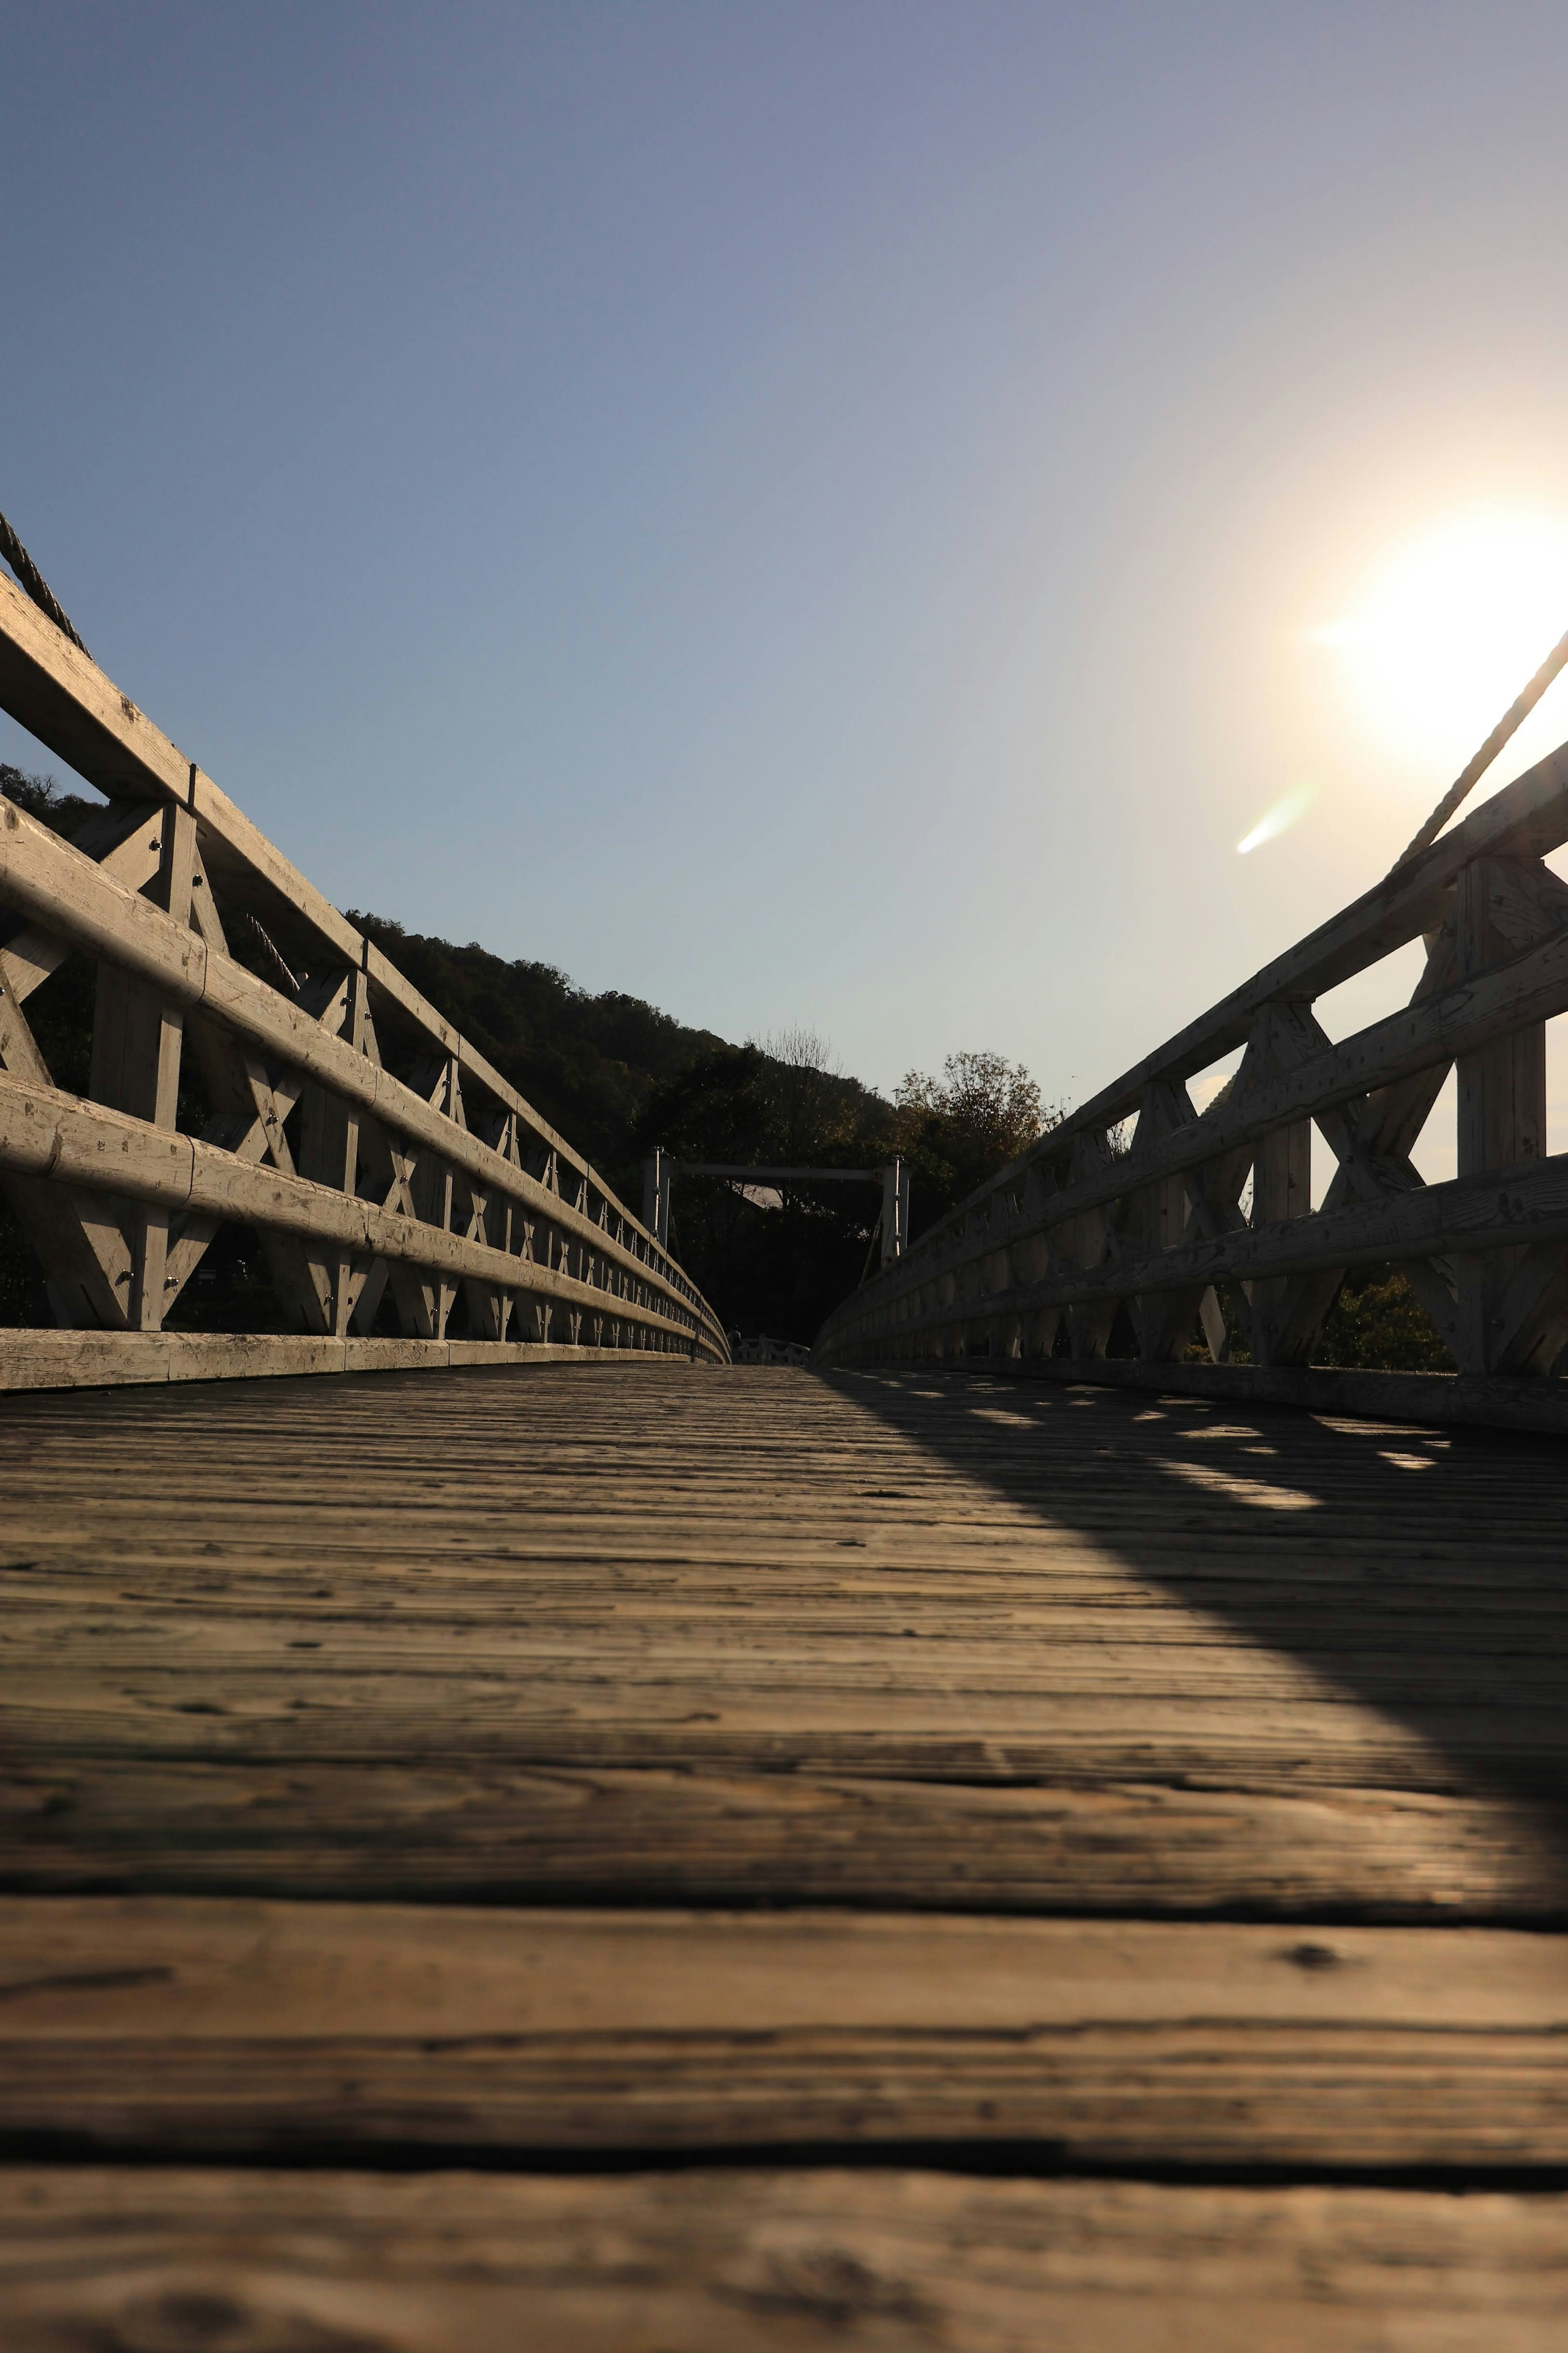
(979, 1843)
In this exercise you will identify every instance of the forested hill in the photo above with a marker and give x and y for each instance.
(587, 1062)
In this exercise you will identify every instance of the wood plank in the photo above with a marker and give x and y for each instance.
(980, 1584)
(33, 1359)
(178, 2025)
(46, 1133)
(720, 2262)
(1486, 998)
(1397, 1224)
(127, 843)
(54, 881)
(1529, 1204)
(1008, 1648)
(65, 892)
(441, 1830)
(1526, 818)
(1437, 1400)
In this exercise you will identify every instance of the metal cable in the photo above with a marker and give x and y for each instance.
(1515, 716)
(276, 952)
(33, 581)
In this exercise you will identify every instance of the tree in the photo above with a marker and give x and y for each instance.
(781, 1268)
(957, 1130)
(812, 1108)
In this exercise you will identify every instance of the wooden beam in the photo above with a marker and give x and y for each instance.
(235, 2026)
(62, 697)
(1460, 1018)
(786, 2259)
(1472, 1214)
(35, 1359)
(46, 1133)
(44, 874)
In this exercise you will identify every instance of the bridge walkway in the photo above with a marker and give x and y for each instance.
(682, 1857)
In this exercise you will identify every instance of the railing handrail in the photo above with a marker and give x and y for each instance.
(59, 694)
(1073, 1225)
(117, 905)
(1527, 818)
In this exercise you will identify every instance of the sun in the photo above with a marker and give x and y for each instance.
(1447, 632)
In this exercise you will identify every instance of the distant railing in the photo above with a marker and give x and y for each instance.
(891, 1178)
(1029, 1272)
(369, 1145)
(765, 1351)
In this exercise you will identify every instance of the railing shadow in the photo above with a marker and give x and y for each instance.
(1423, 1575)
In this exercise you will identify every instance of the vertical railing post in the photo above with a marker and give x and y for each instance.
(657, 1172)
(895, 1211)
(136, 1045)
(1501, 1094)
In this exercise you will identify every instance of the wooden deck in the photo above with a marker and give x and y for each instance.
(671, 1857)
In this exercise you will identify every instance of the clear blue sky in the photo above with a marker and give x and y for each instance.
(806, 513)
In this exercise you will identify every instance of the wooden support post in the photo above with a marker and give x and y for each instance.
(1088, 1242)
(656, 1183)
(1281, 1176)
(329, 1143)
(1158, 1221)
(79, 1240)
(1502, 1086)
(137, 1036)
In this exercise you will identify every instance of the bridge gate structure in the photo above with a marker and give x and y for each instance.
(890, 1857)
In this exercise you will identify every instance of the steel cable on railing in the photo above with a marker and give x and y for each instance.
(1513, 718)
(30, 578)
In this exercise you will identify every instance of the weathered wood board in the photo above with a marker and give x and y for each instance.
(675, 1767)
(670, 1635)
(723, 2261)
(177, 2025)
(72, 1360)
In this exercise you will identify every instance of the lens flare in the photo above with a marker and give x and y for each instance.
(1442, 638)
(1277, 820)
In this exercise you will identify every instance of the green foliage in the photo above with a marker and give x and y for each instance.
(1378, 1323)
(587, 1062)
(780, 1269)
(959, 1129)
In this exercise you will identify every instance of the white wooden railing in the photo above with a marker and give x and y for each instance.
(1028, 1273)
(368, 1144)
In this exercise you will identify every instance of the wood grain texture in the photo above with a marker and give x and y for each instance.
(1003, 1648)
(45, 1133)
(73, 1360)
(183, 2261)
(442, 1831)
(175, 2025)
(1436, 1400)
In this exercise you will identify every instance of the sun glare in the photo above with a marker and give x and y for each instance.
(1277, 820)
(1447, 634)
